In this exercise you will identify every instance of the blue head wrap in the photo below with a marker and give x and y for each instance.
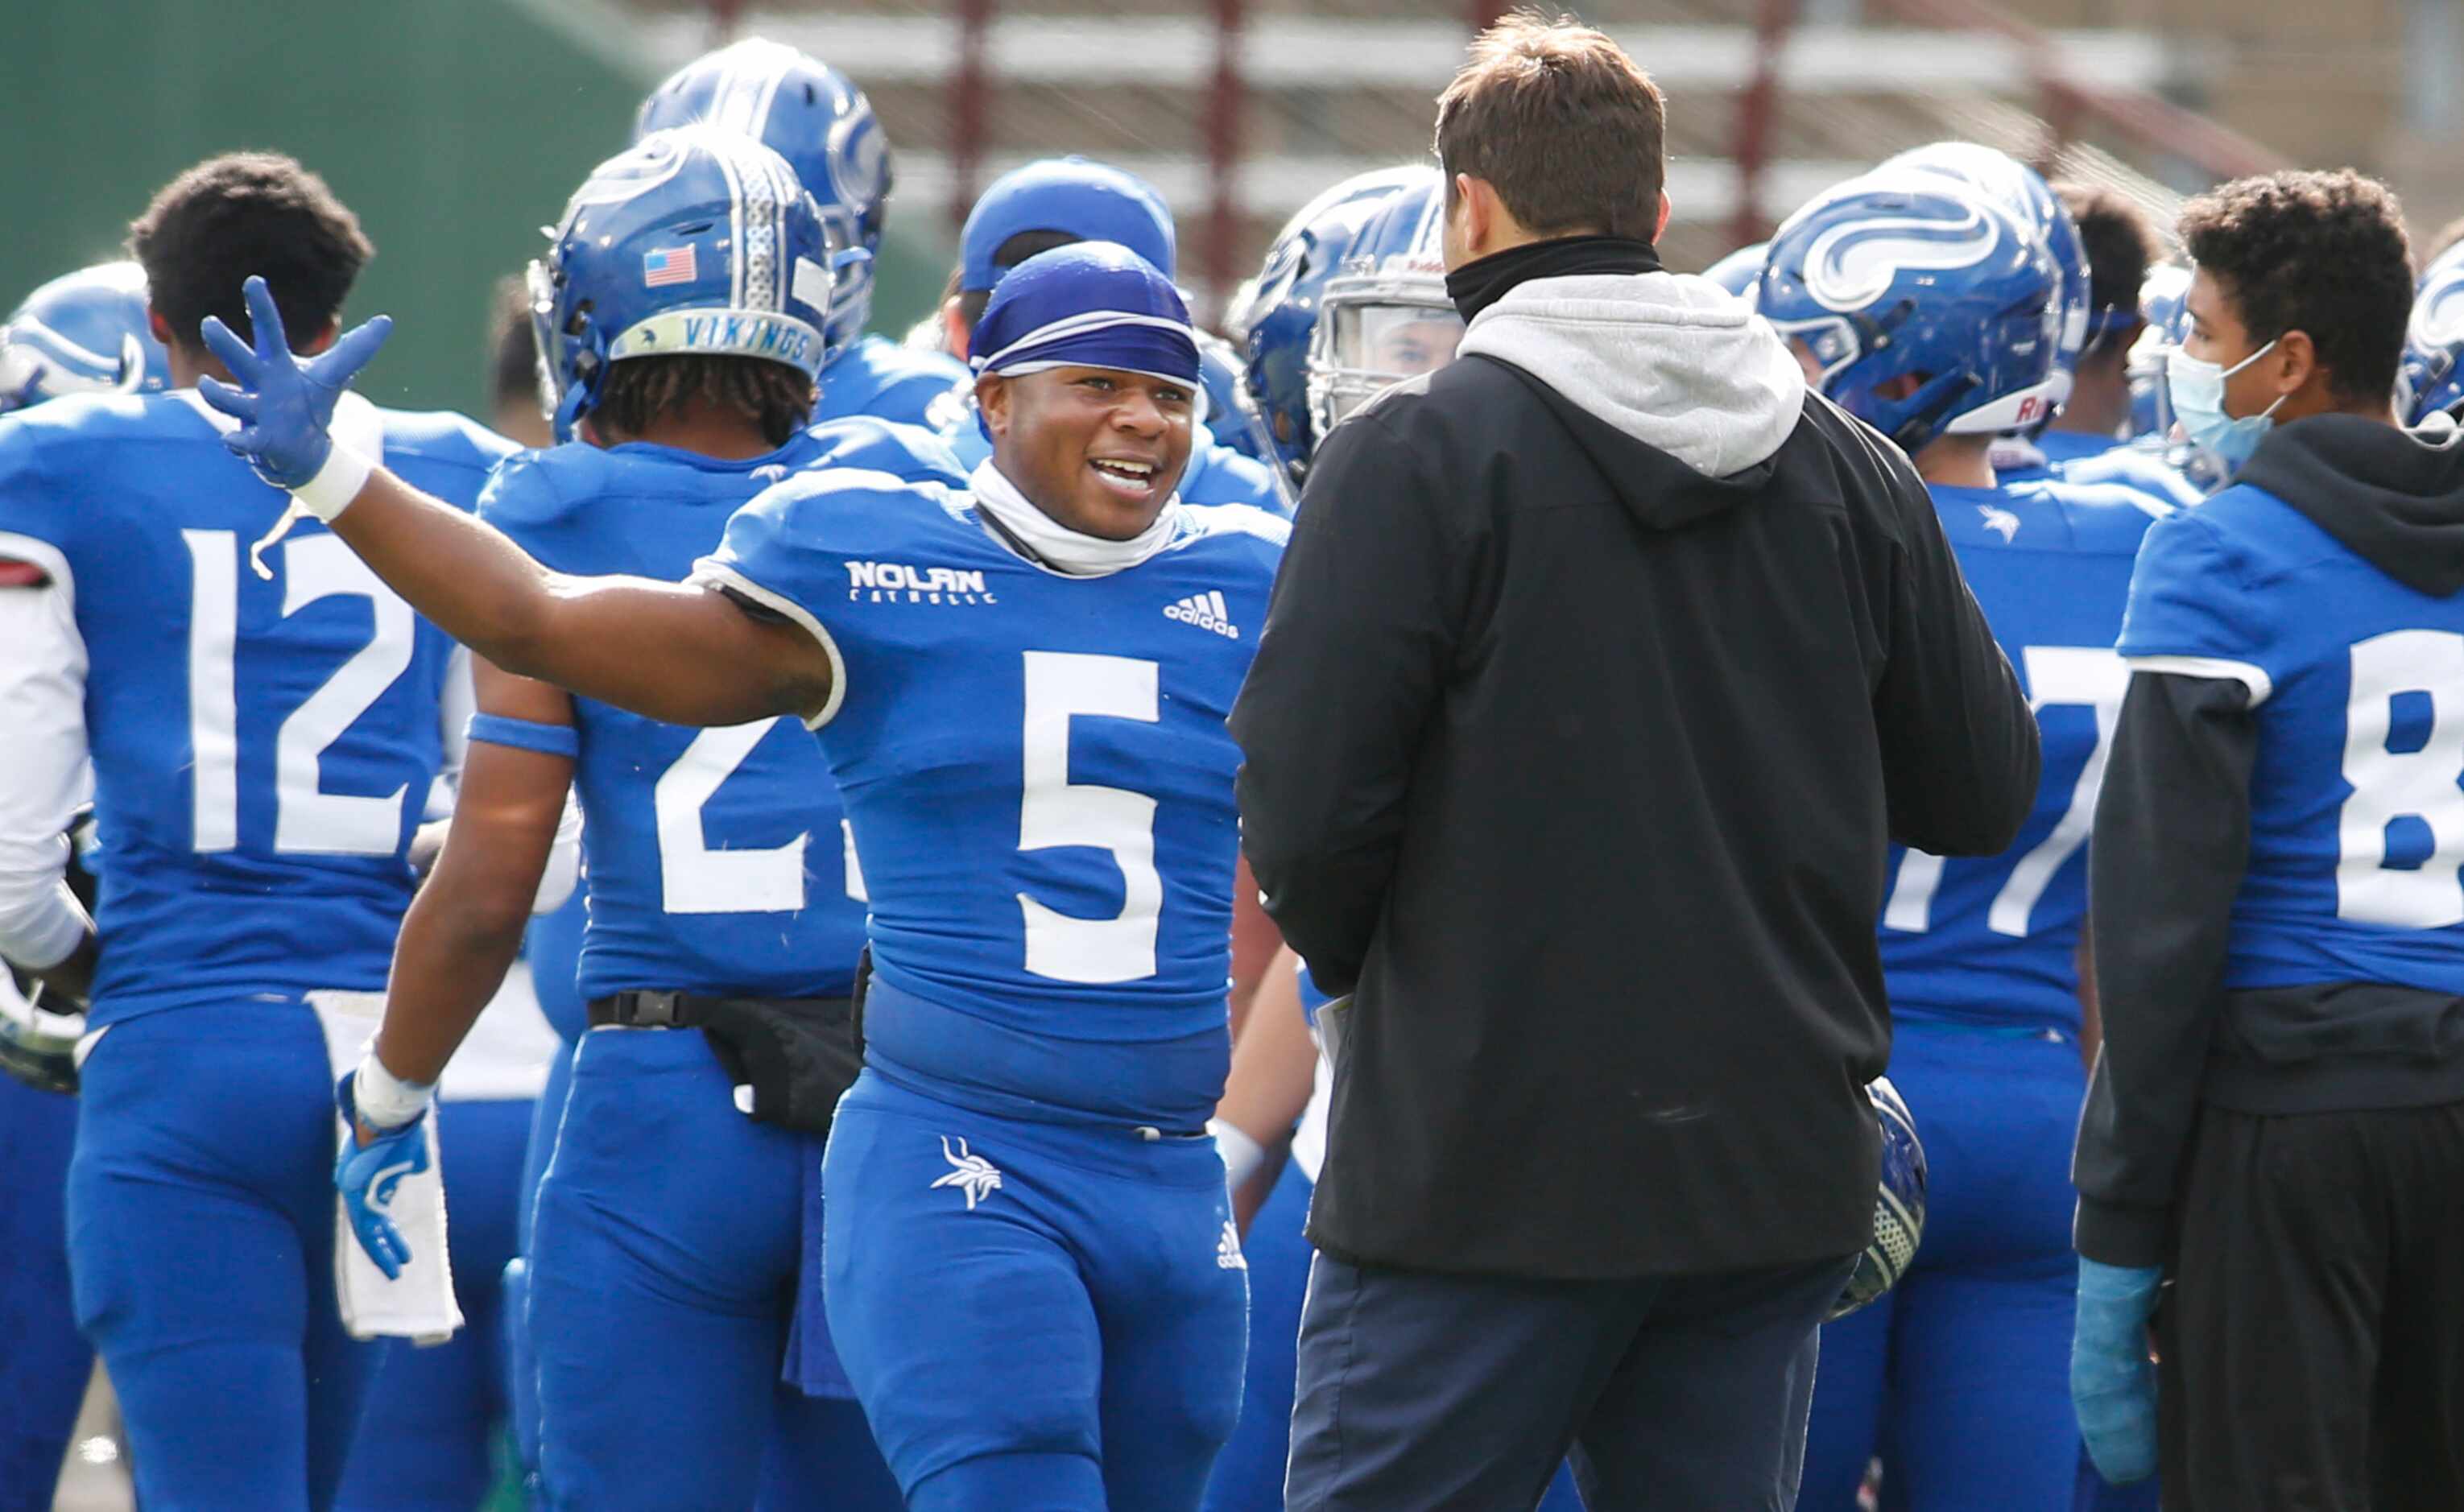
(1091, 304)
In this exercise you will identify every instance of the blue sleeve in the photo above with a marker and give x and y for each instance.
(906, 453)
(788, 551)
(37, 503)
(1232, 478)
(2190, 597)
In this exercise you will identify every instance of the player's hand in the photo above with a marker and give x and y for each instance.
(367, 1172)
(2113, 1383)
(284, 404)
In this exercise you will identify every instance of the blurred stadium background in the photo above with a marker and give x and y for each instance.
(456, 127)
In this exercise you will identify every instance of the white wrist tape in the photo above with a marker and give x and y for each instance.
(336, 484)
(1241, 1154)
(386, 1101)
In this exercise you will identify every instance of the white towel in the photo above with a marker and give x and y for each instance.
(418, 1305)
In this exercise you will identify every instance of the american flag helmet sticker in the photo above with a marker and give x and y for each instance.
(667, 265)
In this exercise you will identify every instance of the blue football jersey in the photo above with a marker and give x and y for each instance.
(1994, 939)
(879, 378)
(2357, 814)
(1215, 473)
(1036, 765)
(2074, 456)
(263, 741)
(718, 859)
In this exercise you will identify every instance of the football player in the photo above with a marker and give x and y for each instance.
(1926, 309)
(1020, 679)
(668, 1241)
(1052, 204)
(265, 720)
(2275, 1133)
(814, 116)
(81, 333)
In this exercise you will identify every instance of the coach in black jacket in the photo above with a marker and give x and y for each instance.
(1602, 668)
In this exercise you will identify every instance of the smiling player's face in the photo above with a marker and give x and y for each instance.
(1097, 448)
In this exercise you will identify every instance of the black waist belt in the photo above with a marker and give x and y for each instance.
(796, 1055)
(641, 1008)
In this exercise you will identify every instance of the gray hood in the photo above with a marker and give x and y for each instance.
(1673, 360)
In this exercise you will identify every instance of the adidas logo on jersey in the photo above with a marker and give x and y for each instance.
(884, 581)
(1206, 611)
(1228, 1249)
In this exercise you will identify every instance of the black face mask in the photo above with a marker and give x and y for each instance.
(1474, 286)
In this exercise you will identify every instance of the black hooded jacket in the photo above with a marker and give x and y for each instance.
(2168, 857)
(1603, 667)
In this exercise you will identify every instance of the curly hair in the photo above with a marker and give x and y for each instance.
(2119, 242)
(2320, 253)
(243, 214)
(640, 390)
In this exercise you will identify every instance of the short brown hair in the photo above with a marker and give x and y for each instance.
(2319, 252)
(2119, 245)
(244, 213)
(1566, 127)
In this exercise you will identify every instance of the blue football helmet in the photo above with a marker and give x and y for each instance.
(82, 333)
(1384, 316)
(813, 116)
(1740, 272)
(1272, 317)
(2024, 192)
(1914, 276)
(693, 242)
(2430, 380)
(1074, 196)
(1898, 1204)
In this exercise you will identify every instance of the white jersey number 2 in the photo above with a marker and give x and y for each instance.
(1054, 811)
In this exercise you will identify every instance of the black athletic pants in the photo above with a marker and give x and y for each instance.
(2312, 1345)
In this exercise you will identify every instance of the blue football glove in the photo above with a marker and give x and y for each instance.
(367, 1175)
(283, 404)
(2113, 1383)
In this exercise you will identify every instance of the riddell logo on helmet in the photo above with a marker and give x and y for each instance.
(2029, 409)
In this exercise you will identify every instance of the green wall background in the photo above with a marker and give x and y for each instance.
(455, 128)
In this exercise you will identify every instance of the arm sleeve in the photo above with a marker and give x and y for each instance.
(2172, 835)
(1959, 741)
(43, 771)
(1348, 672)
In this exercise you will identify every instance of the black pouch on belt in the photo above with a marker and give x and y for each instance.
(797, 1055)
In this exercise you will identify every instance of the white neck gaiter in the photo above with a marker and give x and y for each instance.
(1056, 545)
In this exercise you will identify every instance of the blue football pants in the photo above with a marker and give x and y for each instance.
(665, 1251)
(521, 1361)
(1960, 1377)
(44, 1361)
(428, 1440)
(1038, 1317)
(201, 1240)
(1249, 1474)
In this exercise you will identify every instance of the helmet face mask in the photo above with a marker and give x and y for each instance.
(694, 242)
(1384, 317)
(1273, 318)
